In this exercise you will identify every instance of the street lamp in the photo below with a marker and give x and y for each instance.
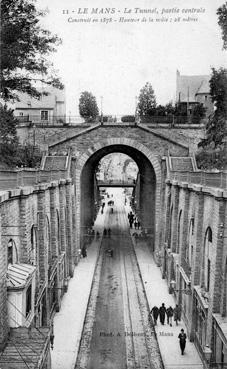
(101, 97)
(136, 103)
(172, 289)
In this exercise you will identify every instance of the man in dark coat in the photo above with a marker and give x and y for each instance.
(182, 341)
(162, 313)
(155, 312)
(169, 313)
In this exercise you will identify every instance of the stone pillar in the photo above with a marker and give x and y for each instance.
(53, 221)
(174, 216)
(167, 220)
(185, 208)
(4, 329)
(198, 231)
(69, 228)
(42, 245)
(216, 271)
(62, 199)
(42, 242)
(25, 229)
(75, 245)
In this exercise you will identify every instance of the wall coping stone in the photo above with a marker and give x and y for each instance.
(53, 184)
(15, 192)
(26, 190)
(213, 191)
(4, 195)
(62, 182)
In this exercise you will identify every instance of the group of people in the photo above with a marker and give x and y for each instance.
(171, 314)
(107, 232)
(164, 312)
(133, 220)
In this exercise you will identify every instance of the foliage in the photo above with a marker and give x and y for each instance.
(216, 125)
(8, 136)
(28, 156)
(25, 47)
(222, 22)
(211, 159)
(198, 113)
(88, 107)
(128, 118)
(147, 101)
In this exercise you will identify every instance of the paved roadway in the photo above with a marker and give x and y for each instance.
(121, 335)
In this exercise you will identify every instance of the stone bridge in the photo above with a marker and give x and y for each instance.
(144, 145)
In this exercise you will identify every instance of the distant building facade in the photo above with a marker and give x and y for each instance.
(191, 90)
(50, 109)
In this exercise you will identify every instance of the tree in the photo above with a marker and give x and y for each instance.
(8, 136)
(198, 113)
(147, 101)
(222, 22)
(216, 125)
(88, 107)
(25, 47)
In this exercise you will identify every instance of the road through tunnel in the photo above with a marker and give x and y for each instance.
(145, 193)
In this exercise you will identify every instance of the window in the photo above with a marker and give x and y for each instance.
(21, 114)
(33, 245)
(207, 258)
(12, 253)
(44, 114)
(28, 300)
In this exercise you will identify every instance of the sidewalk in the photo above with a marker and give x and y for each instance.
(68, 322)
(157, 293)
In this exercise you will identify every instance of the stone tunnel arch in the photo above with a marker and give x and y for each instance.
(149, 167)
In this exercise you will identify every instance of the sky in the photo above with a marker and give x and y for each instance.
(115, 59)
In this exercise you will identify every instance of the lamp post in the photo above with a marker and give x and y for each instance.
(101, 97)
(136, 103)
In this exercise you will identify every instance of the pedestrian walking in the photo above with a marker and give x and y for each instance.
(182, 341)
(162, 313)
(84, 252)
(177, 314)
(104, 232)
(109, 232)
(155, 312)
(169, 313)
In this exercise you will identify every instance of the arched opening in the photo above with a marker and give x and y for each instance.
(207, 258)
(12, 255)
(58, 234)
(146, 190)
(179, 231)
(34, 256)
(47, 240)
(190, 250)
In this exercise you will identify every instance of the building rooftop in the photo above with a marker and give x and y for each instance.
(189, 86)
(45, 102)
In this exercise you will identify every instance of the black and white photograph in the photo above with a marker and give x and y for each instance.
(113, 184)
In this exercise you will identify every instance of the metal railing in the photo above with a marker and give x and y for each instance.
(208, 179)
(116, 182)
(28, 177)
(71, 120)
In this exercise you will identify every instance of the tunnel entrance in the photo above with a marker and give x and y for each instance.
(145, 196)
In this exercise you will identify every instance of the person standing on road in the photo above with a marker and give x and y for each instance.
(177, 314)
(169, 313)
(155, 312)
(182, 341)
(162, 313)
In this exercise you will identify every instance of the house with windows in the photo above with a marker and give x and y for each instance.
(48, 110)
(192, 90)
